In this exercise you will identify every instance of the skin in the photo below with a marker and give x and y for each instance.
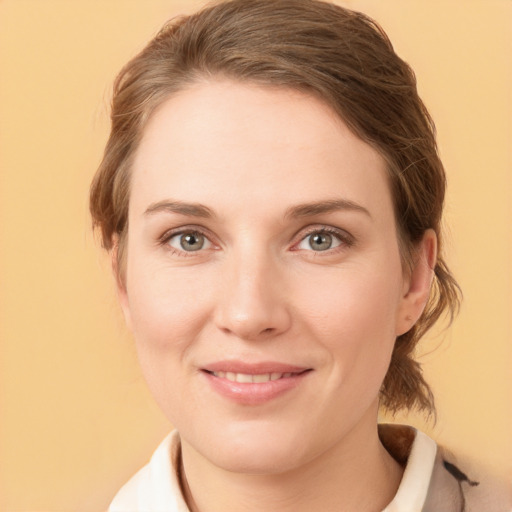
(259, 291)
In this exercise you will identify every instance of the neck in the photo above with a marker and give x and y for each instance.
(335, 481)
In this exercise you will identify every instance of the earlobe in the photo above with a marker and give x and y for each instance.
(418, 283)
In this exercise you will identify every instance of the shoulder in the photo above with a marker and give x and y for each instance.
(436, 480)
(459, 484)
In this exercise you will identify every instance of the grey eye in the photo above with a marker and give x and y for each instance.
(319, 241)
(189, 242)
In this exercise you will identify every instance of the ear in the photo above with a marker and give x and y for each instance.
(120, 280)
(417, 283)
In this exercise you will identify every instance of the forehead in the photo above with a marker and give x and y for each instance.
(220, 142)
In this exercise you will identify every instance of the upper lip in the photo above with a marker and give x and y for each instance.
(258, 368)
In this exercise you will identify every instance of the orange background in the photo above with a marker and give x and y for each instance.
(76, 419)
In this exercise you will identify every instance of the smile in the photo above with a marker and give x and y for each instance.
(249, 378)
(245, 384)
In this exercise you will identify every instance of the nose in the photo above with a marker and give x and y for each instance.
(252, 304)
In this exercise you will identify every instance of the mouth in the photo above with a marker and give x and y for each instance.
(258, 384)
(248, 378)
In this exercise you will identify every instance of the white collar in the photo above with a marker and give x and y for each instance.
(155, 488)
(413, 489)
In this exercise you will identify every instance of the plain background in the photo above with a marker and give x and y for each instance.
(76, 418)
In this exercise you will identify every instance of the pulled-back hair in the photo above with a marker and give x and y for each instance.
(341, 57)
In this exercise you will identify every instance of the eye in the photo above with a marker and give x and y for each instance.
(322, 240)
(189, 241)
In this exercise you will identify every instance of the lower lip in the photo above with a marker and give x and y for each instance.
(254, 393)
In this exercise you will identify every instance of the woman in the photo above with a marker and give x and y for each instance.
(271, 194)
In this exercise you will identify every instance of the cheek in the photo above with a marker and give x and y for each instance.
(165, 306)
(352, 302)
(352, 314)
(166, 318)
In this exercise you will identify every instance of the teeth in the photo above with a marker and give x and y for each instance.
(243, 377)
(261, 378)
(247, 378)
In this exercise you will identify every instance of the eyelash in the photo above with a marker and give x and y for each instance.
(346, 240)
(191, 230)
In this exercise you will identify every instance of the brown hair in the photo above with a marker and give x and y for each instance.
(341, 56)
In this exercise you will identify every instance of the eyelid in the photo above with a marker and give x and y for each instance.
(164, 239)
(345, 238)
(207, 244)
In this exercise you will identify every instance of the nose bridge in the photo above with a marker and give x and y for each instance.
(253, 303)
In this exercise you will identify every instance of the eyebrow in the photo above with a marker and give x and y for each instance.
(300, 210)
(328, 206)
(189, 209)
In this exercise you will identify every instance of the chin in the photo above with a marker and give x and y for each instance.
(251, 450)
(259, 460)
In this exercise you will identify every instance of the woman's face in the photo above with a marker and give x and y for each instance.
(264, 284)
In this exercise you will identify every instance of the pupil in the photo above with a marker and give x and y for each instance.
(321, 241)
(192, 242)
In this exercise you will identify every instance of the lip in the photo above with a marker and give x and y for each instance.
(253, 393)
(253, 368)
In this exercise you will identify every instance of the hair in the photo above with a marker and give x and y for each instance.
(338, 55)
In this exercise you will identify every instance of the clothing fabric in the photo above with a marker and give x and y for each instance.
(433, 480)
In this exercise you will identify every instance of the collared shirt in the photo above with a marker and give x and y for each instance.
(433, 480)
